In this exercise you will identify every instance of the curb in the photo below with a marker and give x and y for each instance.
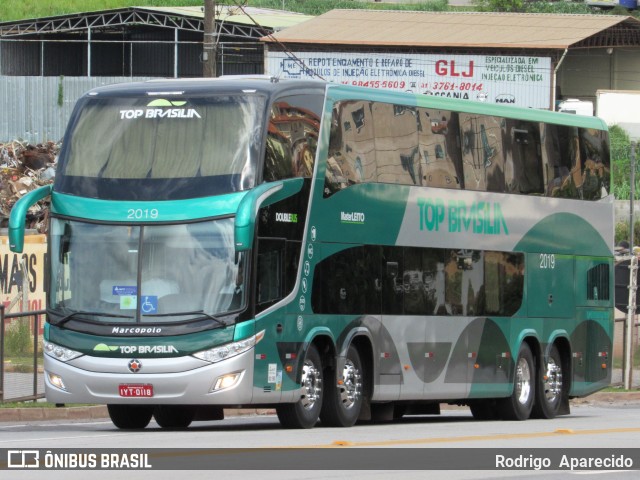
(41, 413)
(100, 411)
(621, 398)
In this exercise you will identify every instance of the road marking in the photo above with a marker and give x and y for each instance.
(469, 438)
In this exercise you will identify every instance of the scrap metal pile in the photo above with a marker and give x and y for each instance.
(25, 167)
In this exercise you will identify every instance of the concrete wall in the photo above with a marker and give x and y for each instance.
(623, 207)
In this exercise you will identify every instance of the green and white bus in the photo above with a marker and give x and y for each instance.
(333, 252)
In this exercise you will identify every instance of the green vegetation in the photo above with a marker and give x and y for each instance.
(29, 404)
(622, 231)
(619, 389)
(18, 347)
(618, 361)
(621, 179)
(18, 338)
(533, 7)
(318, 7)
(621, 164)
(562, 7)
(21, 9)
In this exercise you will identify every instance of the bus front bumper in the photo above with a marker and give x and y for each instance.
(177, 380)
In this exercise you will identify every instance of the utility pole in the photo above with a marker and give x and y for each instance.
(210, 42)
(633, 287)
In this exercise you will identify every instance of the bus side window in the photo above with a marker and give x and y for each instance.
(292, 137)
(348, 282)
(595, 164)
(424, 282)
(482, 152)
(504, 283)
(556, 166)
(524, 157)
(277, 269)
(562, 163)
(396, 144)
(277, 162)
(269, 278)
(352, 156)
(392, 281)
(464, 282)
(439, 152)
(292, 257)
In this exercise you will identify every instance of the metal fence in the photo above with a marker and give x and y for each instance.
(21, 371)
(36, 109)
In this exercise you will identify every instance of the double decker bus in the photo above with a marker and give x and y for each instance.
(334, 252)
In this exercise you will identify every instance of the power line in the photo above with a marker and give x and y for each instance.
(285, 49)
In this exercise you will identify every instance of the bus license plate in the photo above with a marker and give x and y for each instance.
(136, 390)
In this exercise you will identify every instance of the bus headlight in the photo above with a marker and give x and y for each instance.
(56, 380)
(229, 350)
(60, 353)
(226, 381)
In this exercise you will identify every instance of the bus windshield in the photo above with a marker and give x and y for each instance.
(151, 273)
(152, 148)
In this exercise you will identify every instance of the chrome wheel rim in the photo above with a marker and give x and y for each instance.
(553, 381)
(523, 381)
(311, 385)
(351, 388)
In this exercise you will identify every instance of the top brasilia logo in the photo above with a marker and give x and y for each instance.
(161, 108)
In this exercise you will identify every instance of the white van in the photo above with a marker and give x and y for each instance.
(579, 107)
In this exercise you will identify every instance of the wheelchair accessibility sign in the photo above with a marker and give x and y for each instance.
(149, 304)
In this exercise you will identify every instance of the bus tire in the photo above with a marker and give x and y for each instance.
(342, 402)
(305, 412)
(518, 406)
(174, 416)
(550, 388)
(130, 417)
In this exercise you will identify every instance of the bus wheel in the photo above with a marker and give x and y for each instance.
(128, 417)
(550, 388)
(484, 409)
(306, 411)
(343, 401)
(174, 416)
(519, 405)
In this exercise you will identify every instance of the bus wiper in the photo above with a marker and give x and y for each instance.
(195, 312)
(65, 319)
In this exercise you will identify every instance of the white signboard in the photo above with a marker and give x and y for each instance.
(517, 80)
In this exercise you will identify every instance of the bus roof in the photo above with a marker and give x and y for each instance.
(271, 85)
(260, 83)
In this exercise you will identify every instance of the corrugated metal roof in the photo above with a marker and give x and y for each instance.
(262, 20)
(275, 19)
(450, 29)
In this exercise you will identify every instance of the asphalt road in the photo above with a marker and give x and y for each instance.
(452, 434)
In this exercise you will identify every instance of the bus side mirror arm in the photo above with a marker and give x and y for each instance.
(18, 216)
(261, 196)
